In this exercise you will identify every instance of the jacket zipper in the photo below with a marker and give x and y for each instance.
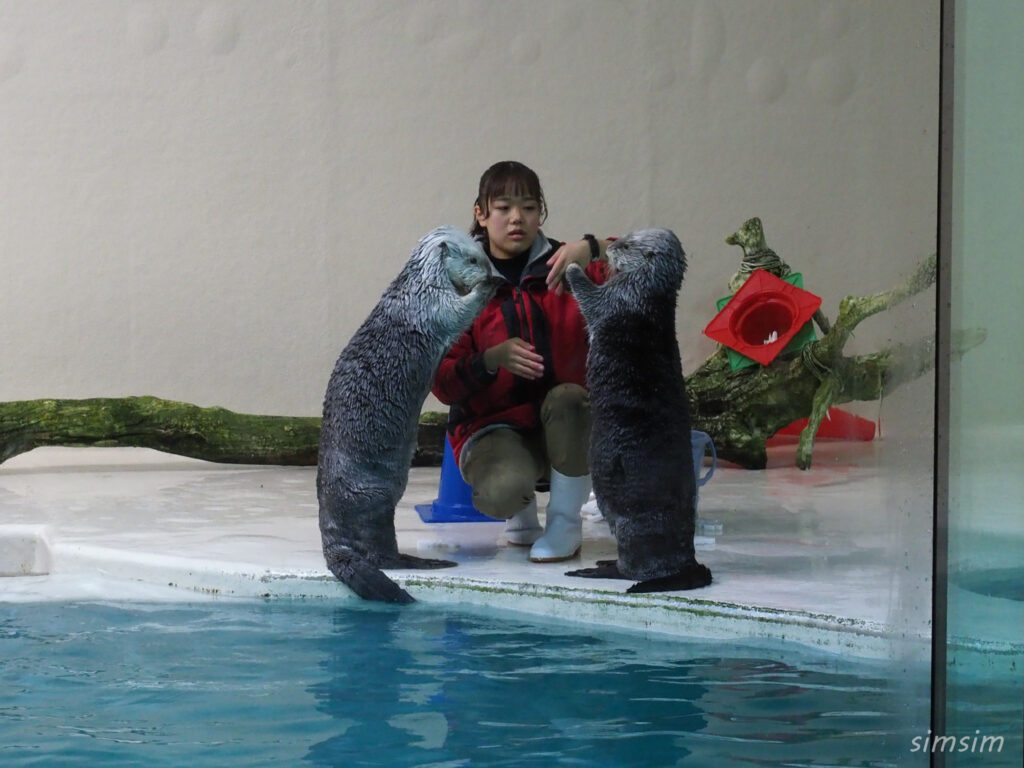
(524, 319)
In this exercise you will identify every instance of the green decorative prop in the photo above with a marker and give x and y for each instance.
(742, 409)
(757, 255)
(801, 339)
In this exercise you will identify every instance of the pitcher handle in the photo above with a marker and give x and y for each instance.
(707, 442)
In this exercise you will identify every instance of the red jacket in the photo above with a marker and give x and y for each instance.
(552, 323)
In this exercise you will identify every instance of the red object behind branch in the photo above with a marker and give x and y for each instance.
(838, 424)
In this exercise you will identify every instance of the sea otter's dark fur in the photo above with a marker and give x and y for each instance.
(372, 408)
(640, 456)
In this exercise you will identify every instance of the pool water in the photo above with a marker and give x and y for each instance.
(309, 683)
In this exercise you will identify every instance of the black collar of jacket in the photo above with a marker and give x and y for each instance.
(537, 266)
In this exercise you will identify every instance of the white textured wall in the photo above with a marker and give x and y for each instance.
(202, 200)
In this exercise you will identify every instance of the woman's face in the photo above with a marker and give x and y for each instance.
(512, 224)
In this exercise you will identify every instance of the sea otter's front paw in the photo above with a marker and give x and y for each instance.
(574, 275)
(583, 288)
(481, 293)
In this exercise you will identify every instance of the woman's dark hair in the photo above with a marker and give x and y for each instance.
(507, 179)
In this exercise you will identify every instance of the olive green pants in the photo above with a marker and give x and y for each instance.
(504, 465)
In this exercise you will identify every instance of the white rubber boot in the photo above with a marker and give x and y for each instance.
(563, 529)
(523, 528)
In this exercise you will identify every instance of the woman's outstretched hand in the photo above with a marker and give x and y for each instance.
(570, 253)
(517, 356)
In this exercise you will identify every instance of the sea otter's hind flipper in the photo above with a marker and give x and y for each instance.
(691, 577)
(367, 581)
(605, 569)
(420, 563)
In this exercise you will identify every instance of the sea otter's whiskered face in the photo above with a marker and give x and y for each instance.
(464, 261)
(648, 249)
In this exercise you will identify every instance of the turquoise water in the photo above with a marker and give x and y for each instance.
(306, 683)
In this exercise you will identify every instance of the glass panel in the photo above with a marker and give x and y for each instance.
(985, 592)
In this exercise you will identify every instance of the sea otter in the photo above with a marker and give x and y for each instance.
(640, 455)
(373, 402)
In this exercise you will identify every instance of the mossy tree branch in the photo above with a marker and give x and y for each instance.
(826, 354)
(739, 409)
(213, 434)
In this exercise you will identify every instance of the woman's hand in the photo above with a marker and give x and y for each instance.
(517, 357)
(570, 253)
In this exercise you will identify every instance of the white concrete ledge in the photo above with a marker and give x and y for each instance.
(816, 559)
(24, 550)
(664, 613)
(674, 614)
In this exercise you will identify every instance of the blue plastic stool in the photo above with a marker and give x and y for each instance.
(454, 502)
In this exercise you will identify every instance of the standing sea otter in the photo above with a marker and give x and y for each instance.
(640, 455)
(373, 402)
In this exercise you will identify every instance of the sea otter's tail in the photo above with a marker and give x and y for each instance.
(363, 578)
